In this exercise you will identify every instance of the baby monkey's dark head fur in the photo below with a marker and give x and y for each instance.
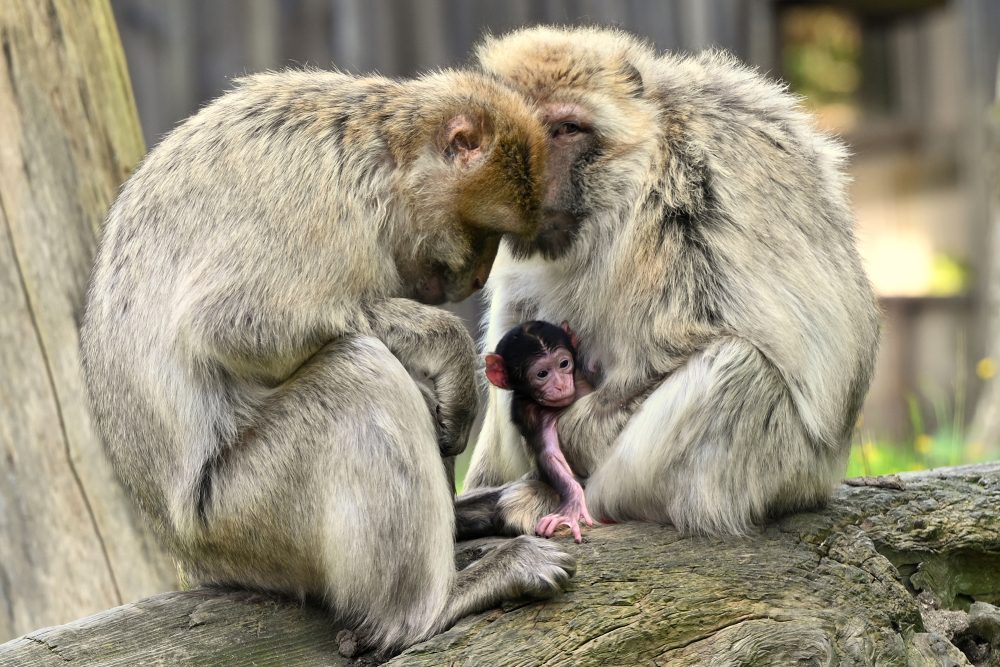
(536, 360)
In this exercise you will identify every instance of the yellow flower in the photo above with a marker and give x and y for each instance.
(923, 443)
(871, 453)
(975, 451)
(986, 368)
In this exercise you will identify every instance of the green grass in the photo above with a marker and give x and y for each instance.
(873, 457)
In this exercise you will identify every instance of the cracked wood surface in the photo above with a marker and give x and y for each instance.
(69, 135)
(838, 586)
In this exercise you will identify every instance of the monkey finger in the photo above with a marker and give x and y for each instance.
(557, 521)
(574, 526)
(545, 526)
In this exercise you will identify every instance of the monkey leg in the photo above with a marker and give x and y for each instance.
(512, 509)
(500, 454)
(718, 446)
(338, 490)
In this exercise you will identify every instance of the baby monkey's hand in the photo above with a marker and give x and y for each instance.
(572, 510)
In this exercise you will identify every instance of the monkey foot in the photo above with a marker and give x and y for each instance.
(347, 643)
(569, 517)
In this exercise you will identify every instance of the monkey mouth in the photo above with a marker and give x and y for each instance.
(559, 402)
(554, 237)
(430, 290)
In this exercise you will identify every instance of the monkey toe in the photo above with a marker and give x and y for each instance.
(546, 569)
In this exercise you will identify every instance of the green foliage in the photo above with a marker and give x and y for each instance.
(872, 457)
(821, 53)
(946, 446)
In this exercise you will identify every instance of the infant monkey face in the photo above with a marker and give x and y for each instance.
(551, 378)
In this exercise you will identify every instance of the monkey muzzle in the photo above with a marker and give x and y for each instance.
(562, 394)
(459, 285)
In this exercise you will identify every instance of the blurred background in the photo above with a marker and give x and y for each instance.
(908, 84)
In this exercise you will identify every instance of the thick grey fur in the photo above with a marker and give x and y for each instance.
(262, 391)
(714, 278)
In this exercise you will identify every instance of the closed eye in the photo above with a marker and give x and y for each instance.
(566, 128)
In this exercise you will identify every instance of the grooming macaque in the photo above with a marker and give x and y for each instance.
(265, 386)
(701, 243)
(537, 362)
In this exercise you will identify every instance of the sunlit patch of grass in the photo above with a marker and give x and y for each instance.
(872, 458)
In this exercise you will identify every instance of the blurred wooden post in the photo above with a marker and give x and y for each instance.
(986, 421)
(69, 135)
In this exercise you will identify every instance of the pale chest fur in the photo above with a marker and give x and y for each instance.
(583, 297)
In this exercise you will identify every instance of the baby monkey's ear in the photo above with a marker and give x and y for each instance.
(496, 371)
(573, 338)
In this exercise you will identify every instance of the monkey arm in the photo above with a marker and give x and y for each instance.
(588, 428)
(557, 472)
(262, 335)
(434, 346)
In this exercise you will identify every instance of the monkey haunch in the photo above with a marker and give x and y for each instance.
(708, 263)
(252, 367)
(537, 361)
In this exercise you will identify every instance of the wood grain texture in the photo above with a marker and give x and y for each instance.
(69, 135)
(881, 576)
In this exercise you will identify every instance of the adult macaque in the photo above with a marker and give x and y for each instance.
(537, 362)
(706, 257)
(258, 370)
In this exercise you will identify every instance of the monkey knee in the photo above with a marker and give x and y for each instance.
(523, 503)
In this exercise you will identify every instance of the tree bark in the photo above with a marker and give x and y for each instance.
(69, 135)
(893, 571)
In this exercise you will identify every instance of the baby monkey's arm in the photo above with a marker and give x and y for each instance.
(556, 471)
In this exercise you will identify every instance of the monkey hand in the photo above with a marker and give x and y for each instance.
(453, 428)
(572, 510)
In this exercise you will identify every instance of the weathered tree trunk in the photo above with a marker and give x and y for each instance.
(69, 136)
(897, 571)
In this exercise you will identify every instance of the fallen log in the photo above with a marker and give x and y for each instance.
(902, 570)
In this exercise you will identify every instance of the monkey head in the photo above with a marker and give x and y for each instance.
(588, 84)
(472, 165)
(536, 360)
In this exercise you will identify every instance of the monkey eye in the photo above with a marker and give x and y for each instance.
(542, 375)
(566, 128)
(564, 363)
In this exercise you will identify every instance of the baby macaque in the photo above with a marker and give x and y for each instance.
(538, 362)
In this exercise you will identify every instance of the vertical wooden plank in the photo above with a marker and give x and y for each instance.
(311, 32)
(348, 40)
(762, 39)
(427, 22)
(656, 20)
(69, 542)
(263, 34)
(159, 38)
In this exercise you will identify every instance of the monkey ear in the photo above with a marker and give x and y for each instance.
(462, 139)
(574, 340)
(496, 371)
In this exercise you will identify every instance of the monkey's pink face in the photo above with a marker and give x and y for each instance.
(551, 378)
